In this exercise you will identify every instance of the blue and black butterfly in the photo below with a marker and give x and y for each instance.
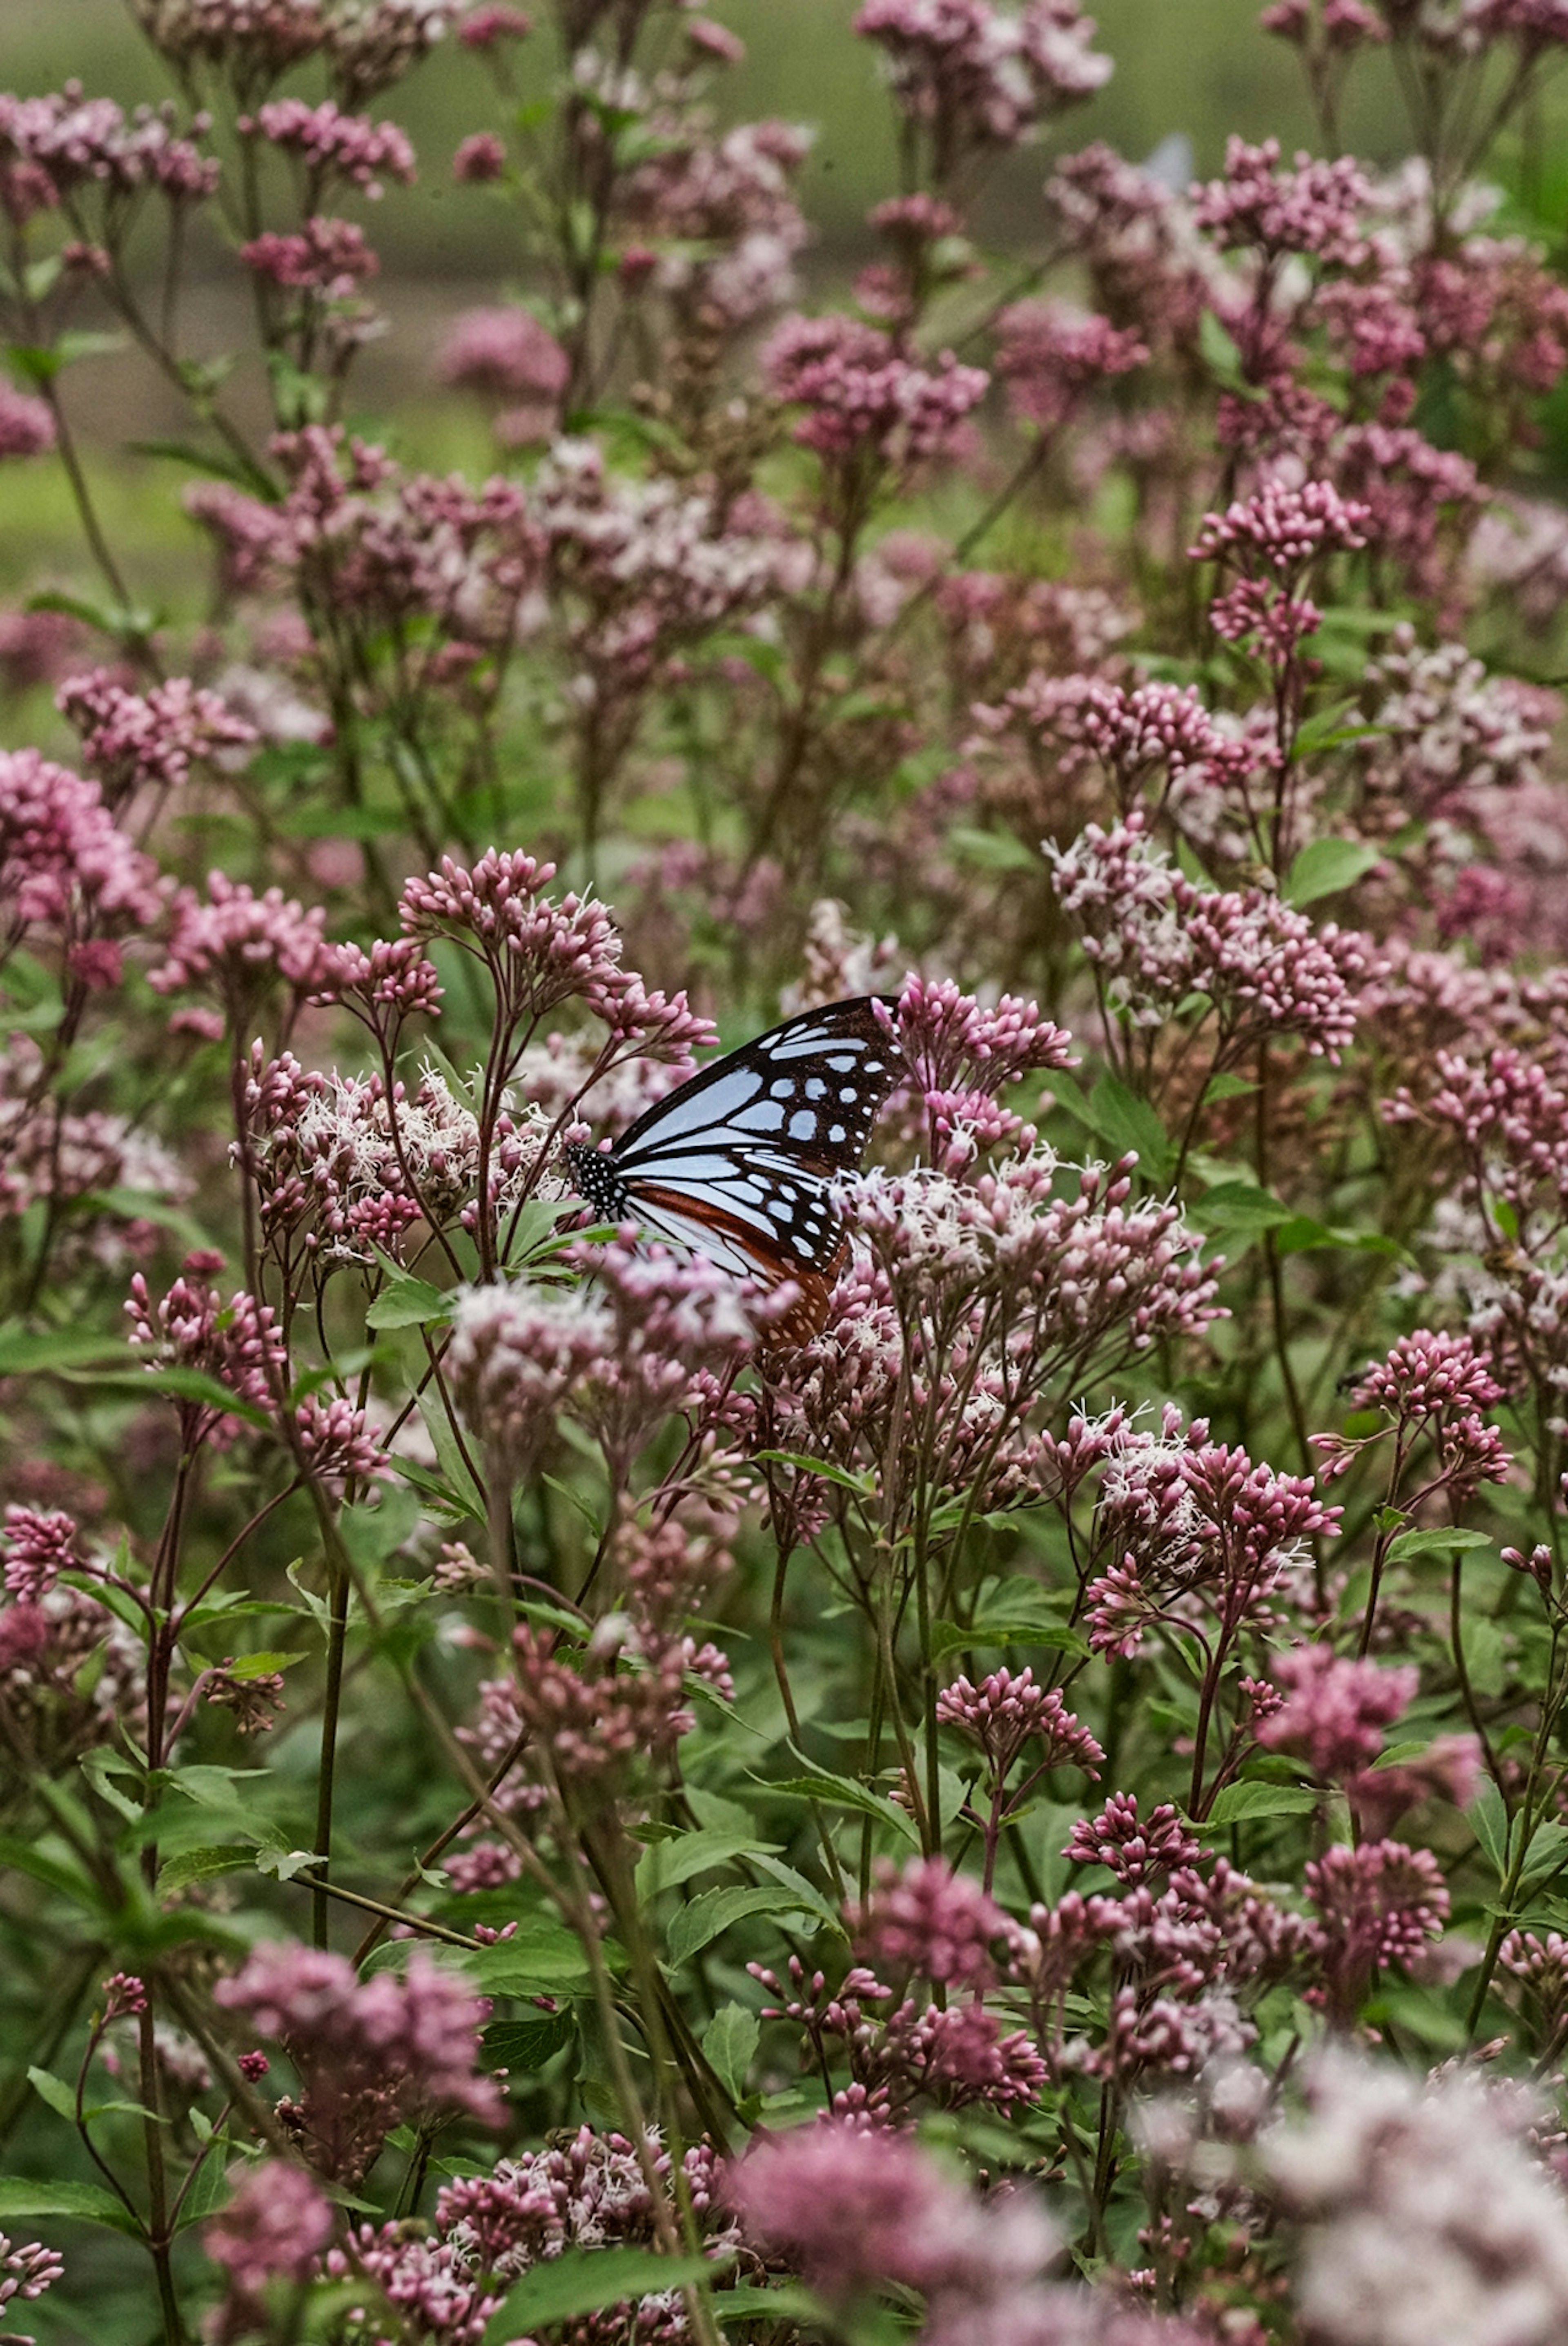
(736, 1164)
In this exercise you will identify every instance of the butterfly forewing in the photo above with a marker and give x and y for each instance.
(736, 1164)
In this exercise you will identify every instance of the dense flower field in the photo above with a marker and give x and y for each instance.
(556, 1793)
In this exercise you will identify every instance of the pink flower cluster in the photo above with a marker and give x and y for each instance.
(237, 1344)
(331, 145)
(973, 75)
(1157, 941)
(63, 864)
(134, 740)
(369, 2053)
(862, 397)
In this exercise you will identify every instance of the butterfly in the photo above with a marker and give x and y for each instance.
(737, 1163)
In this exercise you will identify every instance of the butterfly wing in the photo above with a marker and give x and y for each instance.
(736, 1164)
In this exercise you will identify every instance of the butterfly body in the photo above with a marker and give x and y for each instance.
(737, 1163)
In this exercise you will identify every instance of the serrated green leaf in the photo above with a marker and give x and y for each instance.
(666, 1864)
(176, 1382)
(993, 851)
(203, 1865)
(730, 2042)
(587, 2280)
(695, 1926)
(1005, 1629)
(527, 2044)
(449, 1457)
(1325, 866)
(830, 1791)
(1240, 1206)
(1439, 1541)
(542, 1958)
(24, 1353)
(1228, 1086)
(1247, 1802)
(749, 2302)
(25, 1857)
(60, 2097)
(1488, 1819)
(1130, 1125)
(408, 1302)
(863, 1485)
(20, 2195)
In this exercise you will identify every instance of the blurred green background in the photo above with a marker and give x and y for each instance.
(1194, 70)
(1200, 68)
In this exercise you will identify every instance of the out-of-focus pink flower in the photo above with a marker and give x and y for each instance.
(931, 1921)
(861, 394)
(1316, 209)
(483, 28)
(1334, 1711)
(26, 424)
(63, 863)
(273, 2228)
(506, 355)
(332, 145)
(369, 2054)
(974, 76)
(239, 939)
(130, 739)
(329, 257)
(480, 157)
(1053, 357)
(1425, 2212)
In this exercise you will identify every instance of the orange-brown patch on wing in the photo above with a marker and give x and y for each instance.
(771, 1266)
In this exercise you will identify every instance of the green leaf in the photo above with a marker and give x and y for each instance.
(863, 1485)
(24, 1353)
(1545, 1855)
(241, 472)
(1488, 1820)
(1130, 1125)
(527, 2044)
(1245, 1803)
(993, 851)
(1005, 1629)
(666, 1864)
(204, 1865)
(21, 2196)
(1223, 358)
(542, 1958)
(730, 2042)
(450, 1457)
(1443, 1541)
(177, 1384)
(1326, 866)
(25, 1857)
(587, 2280)
(832, 1792)
(1240, 1206)
(1226, 1085)
(408, 1302)
(695, 1926)
(810, 1899)
(749, 2302)
(60, 2097)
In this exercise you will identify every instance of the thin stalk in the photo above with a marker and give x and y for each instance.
(337, 1639)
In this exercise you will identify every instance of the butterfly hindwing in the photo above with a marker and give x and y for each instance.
(736, 1164)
